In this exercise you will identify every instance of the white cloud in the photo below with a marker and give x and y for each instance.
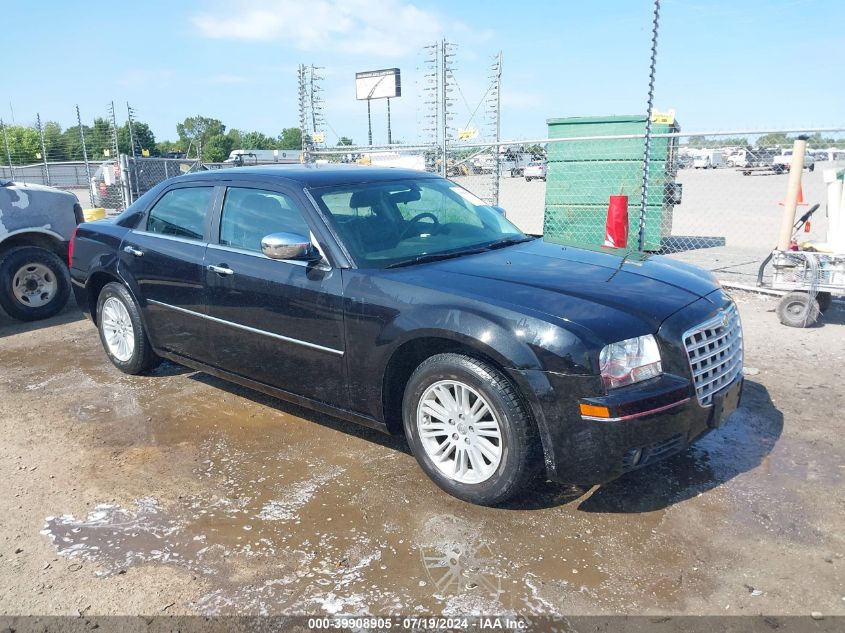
(388, 28)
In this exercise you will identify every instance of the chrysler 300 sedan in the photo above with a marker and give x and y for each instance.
(398, 300)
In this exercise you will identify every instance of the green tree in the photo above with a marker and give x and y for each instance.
(24, 144)
(257, 140)
(99, 140)
(197, 131)
(54, 141)
(237, 138)
(143, 135)
(216, 148)
(165, 148)
(777, 139)
(345, 140)
(290, 138)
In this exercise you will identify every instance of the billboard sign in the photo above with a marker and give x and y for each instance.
(378, 84)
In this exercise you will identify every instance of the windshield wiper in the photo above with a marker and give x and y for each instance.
(508, 241)
(435, 257)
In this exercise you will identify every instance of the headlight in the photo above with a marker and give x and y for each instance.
(630, 361)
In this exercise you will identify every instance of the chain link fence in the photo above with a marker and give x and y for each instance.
(712, 199)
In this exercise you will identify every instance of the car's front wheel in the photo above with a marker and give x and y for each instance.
(469, 429)
(122, 331)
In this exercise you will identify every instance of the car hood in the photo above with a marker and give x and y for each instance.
(569, 283)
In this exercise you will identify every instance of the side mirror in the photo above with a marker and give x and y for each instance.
(501, 210)
(288, 246)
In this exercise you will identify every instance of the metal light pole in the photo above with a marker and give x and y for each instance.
(647, 144)
(389, 135)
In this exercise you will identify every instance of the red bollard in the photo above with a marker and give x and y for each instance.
(616, 229)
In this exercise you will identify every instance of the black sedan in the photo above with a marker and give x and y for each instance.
(398, 300)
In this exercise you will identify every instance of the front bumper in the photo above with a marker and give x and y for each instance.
(647, 421)
(588, 452)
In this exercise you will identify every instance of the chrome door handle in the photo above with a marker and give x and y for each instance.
(132, 251)
(220, 270)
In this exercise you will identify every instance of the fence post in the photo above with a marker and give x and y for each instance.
(125, 180)
(85, 156)
(117, 158)
(45, 170)
(8, 153)
(647, 143)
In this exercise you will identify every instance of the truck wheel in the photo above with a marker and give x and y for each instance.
(34, 283)
(798, 309)
(469, 429)
(122, 331)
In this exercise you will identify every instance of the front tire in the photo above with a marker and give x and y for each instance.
(469, 429)
(34, 283)
(122, 331)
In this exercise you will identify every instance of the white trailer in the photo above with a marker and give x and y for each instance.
(708, 159)
(242, 157)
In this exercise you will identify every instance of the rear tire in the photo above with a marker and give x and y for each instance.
(469, 429)
(34, 283)
(122, 331)
(798, 309)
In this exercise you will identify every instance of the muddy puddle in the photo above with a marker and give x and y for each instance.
(280, 510)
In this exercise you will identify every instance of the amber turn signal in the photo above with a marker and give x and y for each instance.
(594, 411)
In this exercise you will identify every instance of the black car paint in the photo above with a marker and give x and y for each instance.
(540, 311)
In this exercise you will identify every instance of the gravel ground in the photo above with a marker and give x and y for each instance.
(177, 493)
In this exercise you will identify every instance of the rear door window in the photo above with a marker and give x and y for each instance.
(181, 213)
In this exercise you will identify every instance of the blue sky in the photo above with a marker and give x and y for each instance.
(721, 64)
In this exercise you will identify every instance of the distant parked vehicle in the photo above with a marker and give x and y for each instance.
(36, 226)
(536, 170)
(782, 163)
(515, 162)
(709, 159)
(241, 157)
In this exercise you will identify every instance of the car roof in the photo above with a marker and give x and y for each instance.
(311, 175)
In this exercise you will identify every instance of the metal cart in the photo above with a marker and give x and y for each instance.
(811, 279)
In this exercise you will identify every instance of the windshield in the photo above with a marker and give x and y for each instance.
(404, 221)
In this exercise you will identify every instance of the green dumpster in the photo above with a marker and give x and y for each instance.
(581, 175)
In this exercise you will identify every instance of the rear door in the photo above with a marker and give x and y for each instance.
(278, 322)
(163, 261)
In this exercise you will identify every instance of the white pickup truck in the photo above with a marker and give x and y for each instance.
(782, 163)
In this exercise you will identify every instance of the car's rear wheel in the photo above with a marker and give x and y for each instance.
(122, 331)
(469, 429)
(34, 283)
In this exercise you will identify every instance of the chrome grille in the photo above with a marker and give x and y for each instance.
(714, 349)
